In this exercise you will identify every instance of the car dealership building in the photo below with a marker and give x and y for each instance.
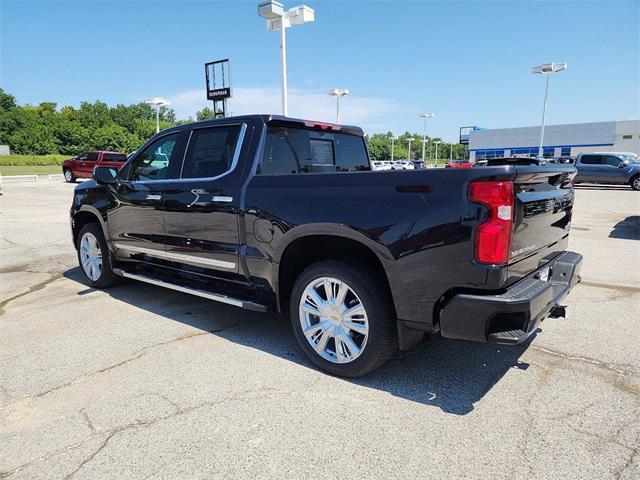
(559, 140)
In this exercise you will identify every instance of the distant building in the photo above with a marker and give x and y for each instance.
(569, 139)
(4, 150)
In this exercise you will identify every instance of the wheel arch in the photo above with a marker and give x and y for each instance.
(309, 244)
(85, 215)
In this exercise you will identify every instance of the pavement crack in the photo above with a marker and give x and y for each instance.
(624, 290)
(87, 420)
(33, 288)
(618, 474)
(248, 395)
(618, 368)
(136, 355)
(92, 456)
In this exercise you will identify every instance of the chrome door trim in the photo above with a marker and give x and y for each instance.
(180, 257)
(234, 160)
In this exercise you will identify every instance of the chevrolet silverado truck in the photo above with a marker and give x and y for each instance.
(82, 166)
(265, 212)
(612, 168)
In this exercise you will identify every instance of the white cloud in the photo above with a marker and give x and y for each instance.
(372, 114)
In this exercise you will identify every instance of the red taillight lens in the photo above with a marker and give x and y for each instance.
(493, 237)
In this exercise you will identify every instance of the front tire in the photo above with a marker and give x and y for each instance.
(93, 257)
(635, 182)
(68, 176)
(343, 319)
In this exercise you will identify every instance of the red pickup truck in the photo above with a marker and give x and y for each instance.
(82, 165)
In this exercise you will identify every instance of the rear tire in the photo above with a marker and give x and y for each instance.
(94, 257)
(635, 182)
(68, 176)
(354, 331)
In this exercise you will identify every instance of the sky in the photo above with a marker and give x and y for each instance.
(467, 62)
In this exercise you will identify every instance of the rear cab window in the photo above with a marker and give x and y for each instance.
(114, 157)
(294, 150)
(591, 159)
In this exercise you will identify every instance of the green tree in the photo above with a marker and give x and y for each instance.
(205, 114)
(7, 101)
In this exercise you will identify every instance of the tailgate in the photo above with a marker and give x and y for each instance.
(542, 219)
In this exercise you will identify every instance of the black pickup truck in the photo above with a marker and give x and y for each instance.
(266, 212)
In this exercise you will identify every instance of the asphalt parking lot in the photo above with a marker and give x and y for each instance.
(139, 382)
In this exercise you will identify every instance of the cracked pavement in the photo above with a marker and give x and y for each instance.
(140, 382)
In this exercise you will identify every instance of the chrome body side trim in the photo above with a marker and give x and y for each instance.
(179, 257)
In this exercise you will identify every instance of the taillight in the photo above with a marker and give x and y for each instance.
(493, 237)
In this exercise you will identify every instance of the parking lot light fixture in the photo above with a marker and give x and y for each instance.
(436, 143)
(158, 102)
(426, 116)
(546, 69)
(338, 92)
(279, 20)
(393, 139)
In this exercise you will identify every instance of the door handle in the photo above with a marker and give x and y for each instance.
(154, 197)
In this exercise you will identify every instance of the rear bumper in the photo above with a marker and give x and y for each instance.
(513, 316)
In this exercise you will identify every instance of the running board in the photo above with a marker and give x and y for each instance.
(217, 297)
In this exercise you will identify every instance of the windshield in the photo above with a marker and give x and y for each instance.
(630, 157)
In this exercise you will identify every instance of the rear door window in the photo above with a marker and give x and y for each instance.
(591, 159)
(291, 150)
(210, 152)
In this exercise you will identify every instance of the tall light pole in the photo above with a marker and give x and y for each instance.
(426, 116)
(393, 139)
(546, 69)
(410, 139)
(437, 142)
(338, 92)
(451, 151)
(278, 19)
(158, 102)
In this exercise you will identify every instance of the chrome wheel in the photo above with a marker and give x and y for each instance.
(68, 176)
(636, 183)
(91, 256)
(334, 320)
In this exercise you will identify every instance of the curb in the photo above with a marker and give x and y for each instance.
(30, 178)
(19, 178)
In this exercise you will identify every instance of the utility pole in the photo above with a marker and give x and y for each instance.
(426, 116)
(547, 70)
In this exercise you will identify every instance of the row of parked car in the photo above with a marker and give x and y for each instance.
(617, 168)
(414, 164)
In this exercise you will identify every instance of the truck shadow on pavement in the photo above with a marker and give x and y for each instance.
(448, 374)
(628, 229)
